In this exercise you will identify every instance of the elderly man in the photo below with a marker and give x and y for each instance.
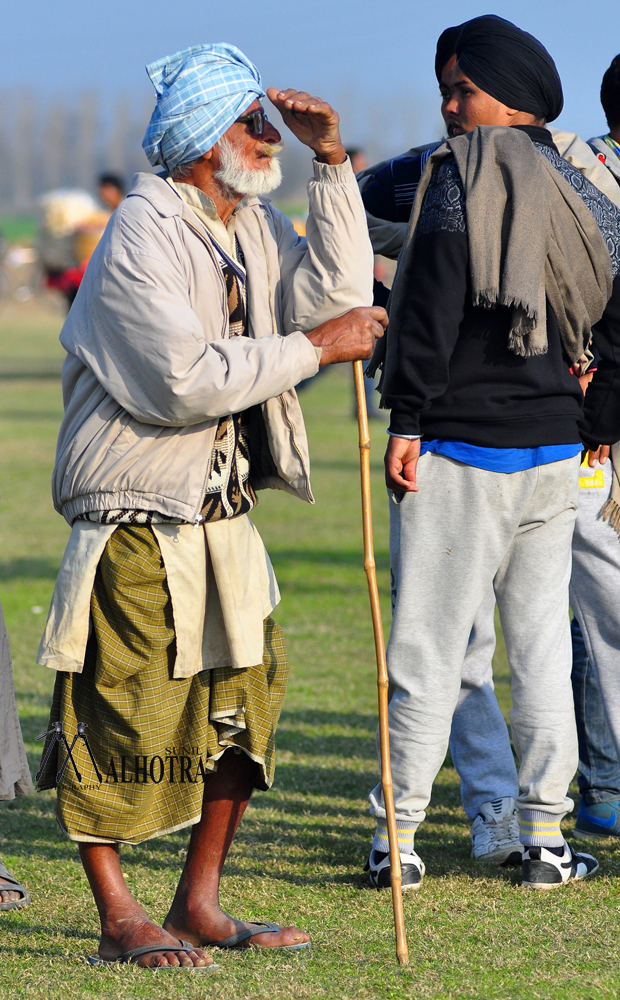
(487, 316)
(200, 311)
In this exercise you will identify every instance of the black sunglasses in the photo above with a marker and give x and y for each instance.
(256, 119)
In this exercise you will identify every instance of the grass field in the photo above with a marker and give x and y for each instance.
(301, 847)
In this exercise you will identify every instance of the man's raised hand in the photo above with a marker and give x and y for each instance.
(350, 337)
(313, 121)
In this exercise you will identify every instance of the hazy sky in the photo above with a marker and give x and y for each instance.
(363, 53)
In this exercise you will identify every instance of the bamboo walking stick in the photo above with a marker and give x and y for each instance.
(382, 676)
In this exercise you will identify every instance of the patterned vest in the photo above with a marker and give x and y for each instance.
(228, 492)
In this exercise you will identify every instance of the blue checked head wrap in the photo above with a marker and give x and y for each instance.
(200, 92)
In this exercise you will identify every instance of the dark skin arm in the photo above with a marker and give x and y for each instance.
(350, 337)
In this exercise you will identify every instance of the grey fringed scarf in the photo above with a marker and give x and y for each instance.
(531, 239)
(611, 508)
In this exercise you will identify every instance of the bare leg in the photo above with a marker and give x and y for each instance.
(124, 924)
(195, 913)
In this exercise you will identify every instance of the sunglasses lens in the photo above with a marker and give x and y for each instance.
(256, 120)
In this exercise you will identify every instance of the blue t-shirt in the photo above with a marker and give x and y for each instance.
(501, 459)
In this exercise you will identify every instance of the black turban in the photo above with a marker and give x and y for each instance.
(510, 65)
(446, 48)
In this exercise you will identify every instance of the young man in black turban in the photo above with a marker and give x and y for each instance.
(478, 366)
(479, 740)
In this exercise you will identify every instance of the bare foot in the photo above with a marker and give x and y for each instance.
(204, 925)
(136, 931)
(8, 895)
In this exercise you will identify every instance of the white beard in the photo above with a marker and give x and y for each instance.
(238, 179)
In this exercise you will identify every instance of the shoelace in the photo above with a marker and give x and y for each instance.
(500, 831)
(503, 831)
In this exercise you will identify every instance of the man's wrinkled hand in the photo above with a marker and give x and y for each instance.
(350, 337)
(401, 462)
(312, 120)
(601, 454)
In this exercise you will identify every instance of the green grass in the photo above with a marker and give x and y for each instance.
(299, 852)
(18, 228)
(294, 209)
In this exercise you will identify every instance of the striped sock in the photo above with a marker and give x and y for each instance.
(405, 829)
(539, 829)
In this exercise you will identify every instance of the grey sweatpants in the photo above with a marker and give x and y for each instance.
(467, 530)
(595, 590)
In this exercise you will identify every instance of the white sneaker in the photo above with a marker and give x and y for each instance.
(495, 834)
(544, 870)
(379, 869)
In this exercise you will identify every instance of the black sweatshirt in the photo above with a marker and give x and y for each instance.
(456, 377)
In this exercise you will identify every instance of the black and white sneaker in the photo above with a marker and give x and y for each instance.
(542, 869)
(379, 869)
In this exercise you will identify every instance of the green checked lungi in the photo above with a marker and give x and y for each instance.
(154, 738)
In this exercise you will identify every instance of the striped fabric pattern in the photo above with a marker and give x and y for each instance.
(539, 829)
(405, 831)
(201, 90)
(404, 194)
(154, 738)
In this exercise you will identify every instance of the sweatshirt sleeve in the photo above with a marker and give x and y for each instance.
(433, 304)
(601, 424)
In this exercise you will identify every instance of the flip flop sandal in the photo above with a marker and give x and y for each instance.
(10, 884)
(147, 949)
(255, 928)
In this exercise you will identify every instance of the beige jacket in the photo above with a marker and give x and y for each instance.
(150, 368)
(573, 148)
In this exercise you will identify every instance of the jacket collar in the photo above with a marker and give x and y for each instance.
(537, 133)
(164, 199)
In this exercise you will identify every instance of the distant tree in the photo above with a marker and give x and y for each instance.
(116, 148)
(55, 152)
(87, 134)
(23, 146)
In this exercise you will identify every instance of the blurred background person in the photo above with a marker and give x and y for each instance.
(358, 158)
(70, 224)
(111, 190)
